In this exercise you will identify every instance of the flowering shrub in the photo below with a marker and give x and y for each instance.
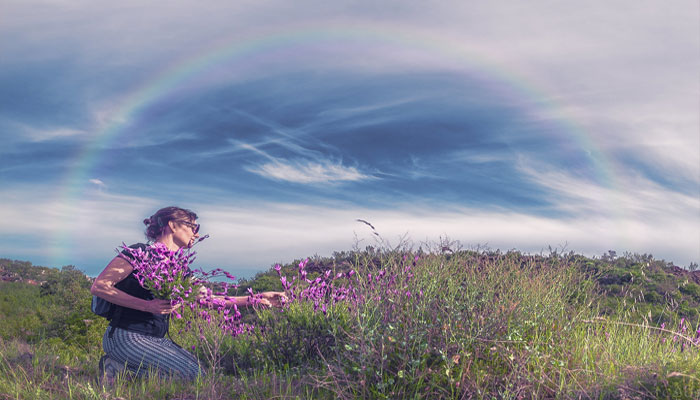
(314, 321)
(404, 324)
(323, 291)
(681, 335)
(458, 325)
(290, 338)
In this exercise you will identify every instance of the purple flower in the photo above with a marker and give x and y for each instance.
(229, 276)
(278, 268)
(302, 264)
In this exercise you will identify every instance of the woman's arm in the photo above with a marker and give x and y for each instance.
(115, 272)
(234, 300)
(266, 299)
(275, 299)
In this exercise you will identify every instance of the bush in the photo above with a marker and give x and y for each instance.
(691, 289)
(298, 336)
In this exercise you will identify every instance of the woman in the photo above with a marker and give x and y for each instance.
(135, 337)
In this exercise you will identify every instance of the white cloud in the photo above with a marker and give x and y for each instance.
(39, 135)
(627, 69)
(98, 183)
(246, 238)
(308, 172)
(82, 231)
(272, 233)
(301, 170)
(627, 196)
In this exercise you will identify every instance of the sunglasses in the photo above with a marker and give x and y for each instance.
(191, 225)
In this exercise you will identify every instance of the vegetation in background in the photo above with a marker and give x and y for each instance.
(425, 324)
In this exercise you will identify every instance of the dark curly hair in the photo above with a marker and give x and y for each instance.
(158, 221)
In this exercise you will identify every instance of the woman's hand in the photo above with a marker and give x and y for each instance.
(202, 293)
(158, 306)
(272, 299)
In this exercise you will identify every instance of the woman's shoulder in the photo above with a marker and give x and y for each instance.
(129, 250)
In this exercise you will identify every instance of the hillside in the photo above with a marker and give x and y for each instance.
(399, 324)
(650, 285)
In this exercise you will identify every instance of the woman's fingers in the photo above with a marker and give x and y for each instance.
(274, 295)
(279, 299)
(166, 307)
(158, 306)
(265, 303)
(273, 299)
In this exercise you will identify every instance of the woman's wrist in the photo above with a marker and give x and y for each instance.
(145, 305)
(237, 301)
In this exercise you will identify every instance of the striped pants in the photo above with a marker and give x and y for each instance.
(141, 353)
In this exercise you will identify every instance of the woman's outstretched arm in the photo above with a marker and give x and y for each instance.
(266, 299)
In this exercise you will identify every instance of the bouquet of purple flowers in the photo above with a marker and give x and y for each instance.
(164, 272)
(167, 275)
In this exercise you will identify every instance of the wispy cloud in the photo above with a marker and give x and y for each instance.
(98, 183)
(630, 196)
(47, 231)
(308, 172)
(36, 135)
(265, 232)
(251, 236)
(301, 170)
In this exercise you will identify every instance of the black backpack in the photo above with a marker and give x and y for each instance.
(104, 308)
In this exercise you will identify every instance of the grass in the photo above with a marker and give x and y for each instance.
(425, 326)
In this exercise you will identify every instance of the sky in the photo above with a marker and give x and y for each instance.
(508, 125)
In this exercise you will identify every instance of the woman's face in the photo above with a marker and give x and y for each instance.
(185, 233)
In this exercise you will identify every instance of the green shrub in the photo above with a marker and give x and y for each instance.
(691, 289)
(296, 337)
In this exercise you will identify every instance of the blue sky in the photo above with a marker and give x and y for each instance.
(496, 124)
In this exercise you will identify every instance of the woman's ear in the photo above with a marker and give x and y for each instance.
(171, 226)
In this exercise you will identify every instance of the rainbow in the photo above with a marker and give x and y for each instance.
(264, 45)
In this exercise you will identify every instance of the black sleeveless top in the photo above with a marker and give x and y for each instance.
(134, 320)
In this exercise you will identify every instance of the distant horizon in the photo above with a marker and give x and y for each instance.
(251, 272)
